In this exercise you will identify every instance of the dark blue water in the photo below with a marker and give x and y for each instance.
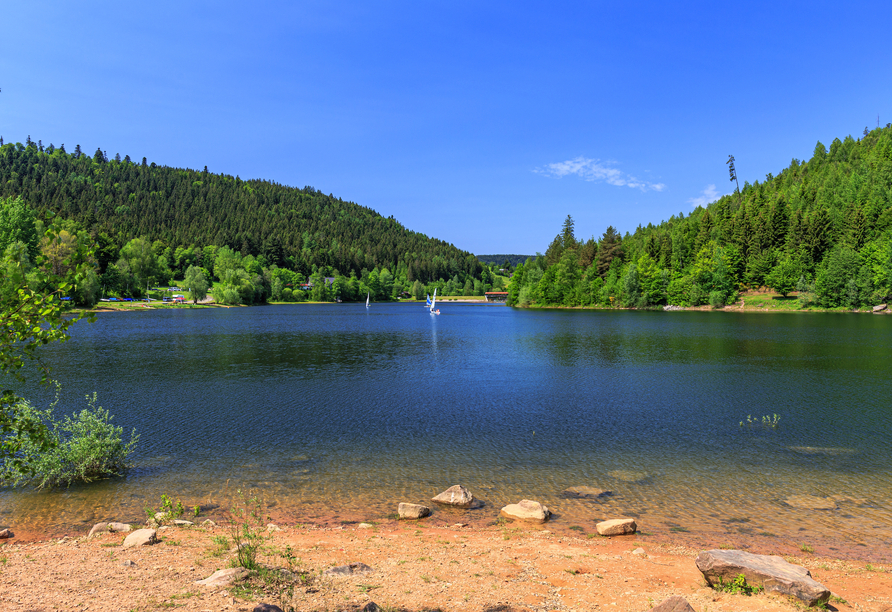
(335, 407)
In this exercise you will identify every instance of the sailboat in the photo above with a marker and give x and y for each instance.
(433, 307)
(367, 299)
(429, 300)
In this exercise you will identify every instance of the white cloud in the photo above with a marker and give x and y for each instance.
(708, 195)
(596, 170)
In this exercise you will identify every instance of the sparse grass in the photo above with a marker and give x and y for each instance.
(221, 546)
(806, 548)
(576, 528)
(679, 529)
(110, 544)
(738, 585)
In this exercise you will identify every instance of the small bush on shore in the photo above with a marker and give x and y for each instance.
(82, 447)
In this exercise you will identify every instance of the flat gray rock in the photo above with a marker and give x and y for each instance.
(675, 603)
(348, 570)
(141, 537)
(6, 533)
(413, 511)
(769, 571)
(224, 577)
(457, 496)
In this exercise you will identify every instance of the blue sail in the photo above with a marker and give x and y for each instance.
(428, 300)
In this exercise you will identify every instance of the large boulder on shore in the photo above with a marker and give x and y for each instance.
(526, 510)
(676, 603)
(413, 511)
(141, 537)
(614, 527)
(457, 496)
(769, 571)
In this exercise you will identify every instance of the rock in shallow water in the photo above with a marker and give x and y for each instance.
(457, 496)
(585, 492)
(769, 571)
(527, 510)
(620, 526)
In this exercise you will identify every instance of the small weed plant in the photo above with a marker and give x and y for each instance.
(81, 448)
(166, 511)
(769, 421)
(738, 585)
(246, 529)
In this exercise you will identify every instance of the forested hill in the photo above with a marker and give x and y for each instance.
(119, 200)
(822, 227)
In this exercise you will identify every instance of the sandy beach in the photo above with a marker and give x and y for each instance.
(415, 565)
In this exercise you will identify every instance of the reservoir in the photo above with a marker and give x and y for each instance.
(334, 411)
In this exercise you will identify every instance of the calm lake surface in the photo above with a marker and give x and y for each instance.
(334, 410)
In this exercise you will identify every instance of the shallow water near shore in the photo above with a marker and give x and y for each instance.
(335, 410)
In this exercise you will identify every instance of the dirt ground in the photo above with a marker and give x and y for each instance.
(416, 565)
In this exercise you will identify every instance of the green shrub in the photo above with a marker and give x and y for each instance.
(83, 447)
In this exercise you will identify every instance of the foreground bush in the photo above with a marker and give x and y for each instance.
(80, 448)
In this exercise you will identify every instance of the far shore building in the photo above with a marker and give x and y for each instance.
(496, 296)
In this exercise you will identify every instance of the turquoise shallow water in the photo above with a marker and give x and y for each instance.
(332, 408)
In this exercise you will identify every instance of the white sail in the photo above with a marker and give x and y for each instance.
(434, 301)
(367, 299)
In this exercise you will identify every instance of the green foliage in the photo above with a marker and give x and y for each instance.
(81, 448)
(166, 511)
(197, 283)
(738, 585)
(32, 314)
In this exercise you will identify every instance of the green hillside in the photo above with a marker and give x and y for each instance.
(297, 228)
(150, 223)
(821, 229)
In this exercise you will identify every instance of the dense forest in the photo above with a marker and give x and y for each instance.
(149, 224)
(821, 228)
(506, 262)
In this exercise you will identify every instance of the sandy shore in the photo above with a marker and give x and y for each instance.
(417, 565)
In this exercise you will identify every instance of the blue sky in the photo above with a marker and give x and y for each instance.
(483, 124)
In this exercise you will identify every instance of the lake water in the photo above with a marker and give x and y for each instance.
(333, 410)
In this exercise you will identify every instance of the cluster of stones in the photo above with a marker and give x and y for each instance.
(458, 496)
